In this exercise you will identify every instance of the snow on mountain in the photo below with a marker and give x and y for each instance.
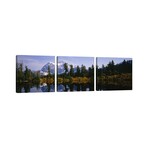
(44, 69)
(61, 67)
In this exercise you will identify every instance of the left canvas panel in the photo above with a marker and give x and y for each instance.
(35, 73)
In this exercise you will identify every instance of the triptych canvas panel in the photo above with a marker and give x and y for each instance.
(75, 74)
(69, 74)
(113, 73)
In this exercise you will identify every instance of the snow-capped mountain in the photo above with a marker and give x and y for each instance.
(44, 69)
(61, 67)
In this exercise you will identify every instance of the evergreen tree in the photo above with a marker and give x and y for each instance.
(26, 73)
(92, 71)
(66, 68)
(71, 70)
(78, 71)
(83, 70)
(19, 72)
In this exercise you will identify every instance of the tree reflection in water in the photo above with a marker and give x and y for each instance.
(30, 87)
(74, 87)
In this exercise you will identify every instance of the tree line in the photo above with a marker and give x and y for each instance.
(30, 76)
(114, 76)
(79, 74)
(27, 75)
(80, 71)
(112, 69)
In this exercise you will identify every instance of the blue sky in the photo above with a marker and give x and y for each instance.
(87, 61)
(104, 61)
(35, 62)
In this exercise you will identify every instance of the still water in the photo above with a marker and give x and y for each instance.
(75, 87)
(29, 87)
(114, 86)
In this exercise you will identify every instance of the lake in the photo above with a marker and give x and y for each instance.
(75, 87)
(112, 86)
(29, 87)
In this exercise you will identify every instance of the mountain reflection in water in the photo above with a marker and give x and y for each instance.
(29, 87)
(75, 87)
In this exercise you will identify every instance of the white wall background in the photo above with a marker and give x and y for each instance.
(74, 28)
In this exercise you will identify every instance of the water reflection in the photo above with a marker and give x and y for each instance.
(29, 87)
(75, 87)
(47, 88)
(115, 86)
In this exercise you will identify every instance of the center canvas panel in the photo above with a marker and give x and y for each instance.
(75, 74)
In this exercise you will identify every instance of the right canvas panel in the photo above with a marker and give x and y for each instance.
(113, 73)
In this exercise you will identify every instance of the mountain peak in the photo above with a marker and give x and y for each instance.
(61, 67)
(44, 69)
